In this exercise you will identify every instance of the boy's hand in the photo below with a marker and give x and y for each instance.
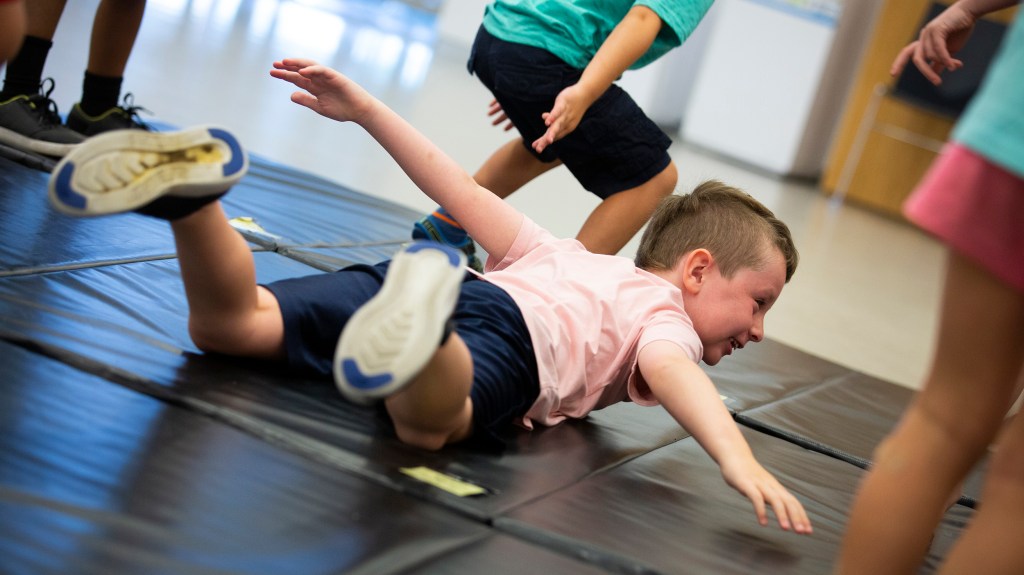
(570, 105)
(326, 91)
(495, 109)
(748, 477)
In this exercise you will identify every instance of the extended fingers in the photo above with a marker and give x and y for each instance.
(789, 511)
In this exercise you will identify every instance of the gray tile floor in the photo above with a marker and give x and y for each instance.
(866, 292)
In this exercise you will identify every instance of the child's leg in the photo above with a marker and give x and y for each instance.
(178, 176)
(228, 312)
(947, 428)
(511, 167)
(619, 217)
(434, 409)
(399, 345)
(114, 31)
(991, 543)
(12, 28)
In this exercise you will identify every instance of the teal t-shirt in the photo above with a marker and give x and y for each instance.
(574, 30)
(993, 124)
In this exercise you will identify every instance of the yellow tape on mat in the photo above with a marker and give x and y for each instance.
(443, 481)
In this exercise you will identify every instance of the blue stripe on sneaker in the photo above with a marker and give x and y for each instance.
(359, 380)
(453, 255)
(236, 162)
(68, 196)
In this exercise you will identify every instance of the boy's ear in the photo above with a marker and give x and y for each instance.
(694, 267)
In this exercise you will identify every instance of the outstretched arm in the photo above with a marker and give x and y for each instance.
(489, 220)
(628, 41)
(944, 36)
(692, 400)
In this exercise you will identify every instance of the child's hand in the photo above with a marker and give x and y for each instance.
(326, 91)
(748, 477)
(495, 109)
(570, 105)
(932, 52)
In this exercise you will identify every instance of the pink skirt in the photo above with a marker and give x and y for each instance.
(977, 208)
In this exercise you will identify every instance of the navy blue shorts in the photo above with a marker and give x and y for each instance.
(505, 382)
(616, 146)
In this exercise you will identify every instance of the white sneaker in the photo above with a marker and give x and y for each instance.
(162, 174)
(393, 336)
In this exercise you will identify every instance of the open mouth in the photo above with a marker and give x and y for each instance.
(735, 343)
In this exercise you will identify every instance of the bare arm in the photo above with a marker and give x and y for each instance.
(932, 53)
(687, 393)
(489, 220)
(628, 41)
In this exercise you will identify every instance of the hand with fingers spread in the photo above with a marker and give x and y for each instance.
(495, 110)
(323, 90)
(932, 53)
(746, 475)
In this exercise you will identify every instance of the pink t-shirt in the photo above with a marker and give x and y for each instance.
(588, 315)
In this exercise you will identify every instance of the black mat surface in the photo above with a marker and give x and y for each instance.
(845, 417)
(124, 449)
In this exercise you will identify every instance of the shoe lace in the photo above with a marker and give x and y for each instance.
(48, 113)
(131, 111)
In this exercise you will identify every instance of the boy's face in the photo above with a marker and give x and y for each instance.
(729, 313)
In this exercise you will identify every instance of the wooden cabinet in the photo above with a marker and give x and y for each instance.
(877, 163)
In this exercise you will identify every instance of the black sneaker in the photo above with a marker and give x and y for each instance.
(32, 124)
(167, 175)
(124, 117)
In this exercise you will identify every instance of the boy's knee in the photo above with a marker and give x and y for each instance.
(213, 337)
(430, 441)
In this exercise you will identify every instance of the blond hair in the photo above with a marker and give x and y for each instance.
(737, 229)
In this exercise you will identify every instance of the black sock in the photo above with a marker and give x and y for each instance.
(99, 93)
(25, 71)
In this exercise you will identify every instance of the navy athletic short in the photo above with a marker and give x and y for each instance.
(505, 382)
(616, 146)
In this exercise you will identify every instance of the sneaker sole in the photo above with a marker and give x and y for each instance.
(27, 144)
(123, 170)
(393, 336)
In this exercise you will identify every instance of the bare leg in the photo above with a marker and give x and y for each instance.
(113, 36)
(610, 226)
(435, 409)
(953, 420)
(991, 543)
(617, 219)
(509, 168)
(228, 312)
(43, 17)
(12, 28)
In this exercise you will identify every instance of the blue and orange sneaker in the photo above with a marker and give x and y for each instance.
(389, 340)
(441, 227)
(166, 175)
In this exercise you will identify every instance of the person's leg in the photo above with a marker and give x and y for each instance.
(400, 346)
(114, 32)
(991, 543)
(178, 177)
(24, 72)
(950, 424)
(29, 119)
(434, 409)
(12, 28)
(511, 167)
(618, 218)
(228, 312)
